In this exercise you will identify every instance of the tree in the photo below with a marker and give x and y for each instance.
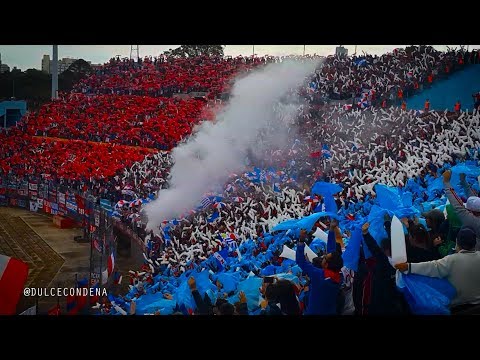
(196, 50)
(35, 86)
(75, 72)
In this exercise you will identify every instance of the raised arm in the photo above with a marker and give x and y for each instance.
(202, 307)
(370, 241)
(466, 187)
(300, 257)
(436, 268)
(467, 218)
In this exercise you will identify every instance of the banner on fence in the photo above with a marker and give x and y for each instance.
(33, 206)
(54, 208)
(52, 195)
(94, 278)
(80, 204)
(97, 217)
(71, 207)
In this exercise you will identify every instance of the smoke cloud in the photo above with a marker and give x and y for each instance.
(217, 149)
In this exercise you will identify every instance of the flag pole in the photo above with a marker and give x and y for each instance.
(91, 250)
(58, 301)
(101, 255)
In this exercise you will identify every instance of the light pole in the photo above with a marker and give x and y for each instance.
(55, 73)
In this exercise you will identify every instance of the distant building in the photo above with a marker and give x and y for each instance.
(46, 64)
(63, 64)
(4, 68)
(95, 66)
(341, 51)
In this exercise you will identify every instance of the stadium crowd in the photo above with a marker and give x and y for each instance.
(80, 140)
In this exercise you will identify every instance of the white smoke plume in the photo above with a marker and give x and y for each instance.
(210, 155)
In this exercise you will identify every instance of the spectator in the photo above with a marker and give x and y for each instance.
(381, 294)
(325, 277)
(469, 214)
(427, 106)
(461, 269)
(457, 106)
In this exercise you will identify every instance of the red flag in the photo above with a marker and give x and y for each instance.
(13, 275)
(110, 264)
(55, 311)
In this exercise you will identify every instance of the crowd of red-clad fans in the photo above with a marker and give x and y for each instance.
(162, 76)
(24, 155)
(124, 119)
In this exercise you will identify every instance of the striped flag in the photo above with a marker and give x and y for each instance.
(206, 203)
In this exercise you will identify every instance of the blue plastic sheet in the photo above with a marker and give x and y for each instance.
(407, 199)
(352, 251)
(325, 188)
(229, 281)
(251, 288)
(427, 295)
(376, 221)
(388, 197)
(153, 302)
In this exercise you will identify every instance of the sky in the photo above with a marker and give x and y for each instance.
(30, 56)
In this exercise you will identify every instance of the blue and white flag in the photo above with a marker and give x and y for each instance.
(206, 203)
(212, 218)
(221, 258)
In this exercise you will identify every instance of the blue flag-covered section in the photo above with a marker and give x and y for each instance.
(240, 264)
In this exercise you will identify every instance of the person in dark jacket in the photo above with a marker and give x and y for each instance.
(241, 307)
(270, 305)
(438, 232)
(325, 277)
(358, 281)
(204, 306)
(418, 245)
(287, 297)
(384, 297)
(226, 309)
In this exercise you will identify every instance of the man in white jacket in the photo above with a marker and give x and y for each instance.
(461, 269)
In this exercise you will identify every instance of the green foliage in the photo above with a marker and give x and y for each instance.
(196, 50)
(35, 86)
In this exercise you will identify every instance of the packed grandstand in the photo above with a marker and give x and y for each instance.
(362, 161)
